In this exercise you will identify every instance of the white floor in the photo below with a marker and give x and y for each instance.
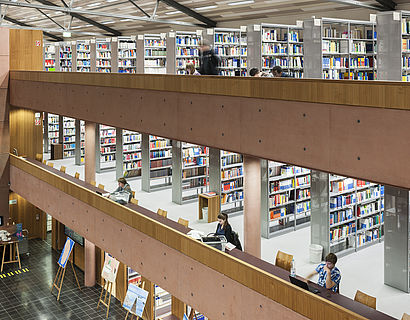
(362, 270)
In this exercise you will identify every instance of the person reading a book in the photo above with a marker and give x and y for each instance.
(255, 72)
(123, 193)
(329, 274)
(190, 69)
(223, 227)
(277, 72)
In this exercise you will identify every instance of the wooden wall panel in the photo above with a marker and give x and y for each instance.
(25, 136)
(150, 304)
(26, 49)
(79, 255)
(121, 284)
(31, 217)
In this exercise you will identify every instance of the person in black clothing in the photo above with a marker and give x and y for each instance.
(224, 228)
(208, 60)
(277, 72)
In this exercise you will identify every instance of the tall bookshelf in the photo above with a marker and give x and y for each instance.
(66, 57)
(127, 54)
(227, 45)
(186, 50)
(189, 171)
(132, 158)
(340, 49)
(103, 55)
(50, 56)
(226, 179)
(106, 148)
(285, 198)
(79, 151)
(350, 218)
(53, 129)
(244, 51)
(393, 55)
(69, 140)
(155, 53)
(156, 162)
(83, 56)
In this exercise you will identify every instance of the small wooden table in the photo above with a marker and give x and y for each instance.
(210, 201)
(13, 244)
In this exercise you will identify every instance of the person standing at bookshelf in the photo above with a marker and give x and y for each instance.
(223, 227)
(208, 60)
(329, 274)
(190, 69)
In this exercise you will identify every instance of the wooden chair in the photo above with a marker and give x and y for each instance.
(50, 164)
(63, 169)
(405, 316)
(183, 222)
(39, 157)
(93, 183)
(133, 194)
(101, 186)
(162, 213)
(134, 201)
(45, 161)
(77, 175)
(365, 299)
(284, 260)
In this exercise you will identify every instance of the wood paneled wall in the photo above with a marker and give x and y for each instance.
(32, 218)
(26, 49)
(25, 136)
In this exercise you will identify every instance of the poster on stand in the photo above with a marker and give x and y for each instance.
(110, 268)
(135, 300)
(65, 254)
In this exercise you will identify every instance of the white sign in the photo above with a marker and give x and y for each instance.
(135, 300)
(110, 268)
(243, 28)
(373, 18)
(114, 39)
(256, 27)
(133, 38)
(299, 23)
(199, 33)
(396, 16)
(210, 31)
(171, 34)
(92, 40)
(140, 37)
(316, 22)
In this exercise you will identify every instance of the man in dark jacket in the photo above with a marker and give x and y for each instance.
(208, 60)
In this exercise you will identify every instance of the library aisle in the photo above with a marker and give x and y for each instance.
(361, 270)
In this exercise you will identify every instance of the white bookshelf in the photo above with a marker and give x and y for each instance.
(155, 53)
(103, 55)
(186, 50)
(66, 57)
(50, 56)
(68, 137)
(227, 45)
(107, 148)
(244, 52)
(162, 305)
(53, 129)
(132, 158)
(127, 54)
(285, 198)
(231, 187)
(83, 56)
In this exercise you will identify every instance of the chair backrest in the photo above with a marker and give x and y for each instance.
(183, 222)
(39, 157)
(92, 182)
(162, 213)
(45, 161)
(63, 169)
(100, 186)
(284, 260)
(405, 316)
(133, 194)
(77, 175)
(50, 164)
(134, 201)
(365, 299)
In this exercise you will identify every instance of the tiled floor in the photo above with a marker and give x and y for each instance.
(27, 295)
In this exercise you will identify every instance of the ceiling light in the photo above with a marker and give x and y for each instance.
(77, 8)
(66, 34)
(240, 3)
(107, 22)
(76, 27)
(172, 12)
(112, 0)
(124, 20)
(88, 25)
(93, 4)
(205, 8)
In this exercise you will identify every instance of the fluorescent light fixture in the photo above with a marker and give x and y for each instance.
(240, 3)
(78, 8)
(107, 22)
(112, 0)
(205, 8)
(66, 34)
(172, 12)
(125, 20)
(76, 27)
(93, 4)
(88, 25)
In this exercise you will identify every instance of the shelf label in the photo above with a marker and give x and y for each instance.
(73, 42)
(316, 22)
(14, 201)
(133, 38)
(88, 41)
(114, 39)
(373, 17)
(396, 16)
(108, 39)
(299, 23)
(38, 43)
(199, 33)
(92, 40)
(171, 34)
(256, 27)
(140, 37)
(243, 28)
(210, 31)
(163, 35)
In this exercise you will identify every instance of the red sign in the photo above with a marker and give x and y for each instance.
(37, 122)
(38, 43)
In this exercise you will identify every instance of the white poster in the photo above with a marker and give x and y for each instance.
(110, 268)
(135, 300)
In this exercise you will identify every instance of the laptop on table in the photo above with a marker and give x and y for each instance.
(302, 284)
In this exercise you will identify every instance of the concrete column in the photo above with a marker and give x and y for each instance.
(89, 272)
(4, 126)
(252, 205)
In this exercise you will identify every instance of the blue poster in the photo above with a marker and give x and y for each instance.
(65, 254)
(185, 317)
(135, 300)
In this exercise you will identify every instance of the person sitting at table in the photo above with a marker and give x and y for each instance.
(123, 193)
(224, 228)
(329, 274)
